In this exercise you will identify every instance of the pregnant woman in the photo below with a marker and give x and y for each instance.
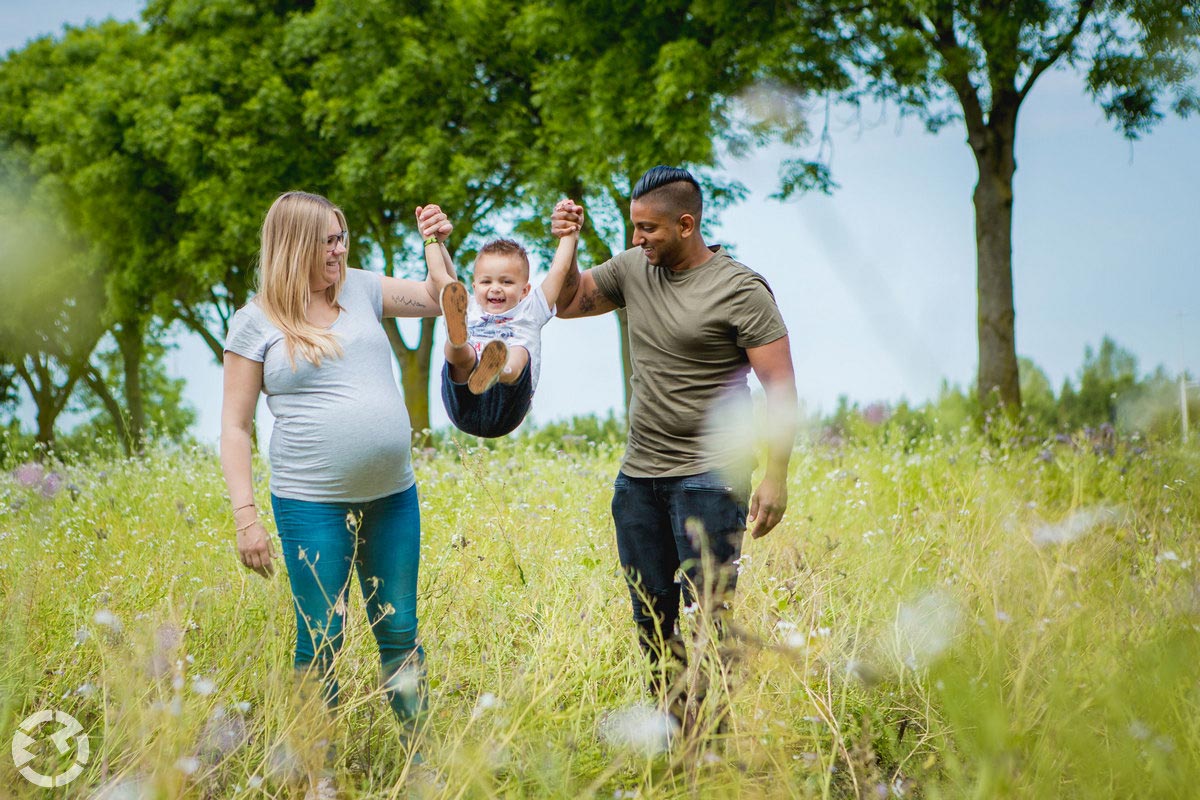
(343, 491)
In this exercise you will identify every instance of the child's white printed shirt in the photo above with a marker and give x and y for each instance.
(519, 325)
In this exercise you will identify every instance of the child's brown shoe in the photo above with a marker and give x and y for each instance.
(454, 307)
(491, 362)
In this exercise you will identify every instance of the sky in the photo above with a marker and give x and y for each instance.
(877, 281)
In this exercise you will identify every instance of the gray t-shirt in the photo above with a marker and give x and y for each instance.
(342, 432)
(688, 336)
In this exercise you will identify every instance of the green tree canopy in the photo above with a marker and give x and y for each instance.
(976, 61)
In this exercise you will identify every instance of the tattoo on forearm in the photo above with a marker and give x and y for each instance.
(587, 302)
(570, 281)
(401, 300)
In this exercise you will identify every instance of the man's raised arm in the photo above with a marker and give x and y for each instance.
(578, 296)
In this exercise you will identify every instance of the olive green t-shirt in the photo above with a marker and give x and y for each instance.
(688, 335)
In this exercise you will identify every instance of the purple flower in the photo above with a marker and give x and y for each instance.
(29, 474)
(876, 414)
(51, 484)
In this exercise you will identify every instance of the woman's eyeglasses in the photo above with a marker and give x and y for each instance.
(331, 242)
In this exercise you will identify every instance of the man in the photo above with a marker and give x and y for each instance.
(698, 321)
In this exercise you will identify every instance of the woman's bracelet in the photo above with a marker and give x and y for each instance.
(247, 505)
(248, 525)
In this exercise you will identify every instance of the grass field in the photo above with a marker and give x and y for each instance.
(932, 619)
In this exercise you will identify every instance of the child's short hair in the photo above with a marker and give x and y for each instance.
(505, 247)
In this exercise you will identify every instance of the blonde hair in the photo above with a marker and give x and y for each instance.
(293, 252)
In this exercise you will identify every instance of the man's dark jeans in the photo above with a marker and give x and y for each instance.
(692, 524)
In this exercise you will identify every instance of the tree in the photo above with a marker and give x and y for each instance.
(1037, 394)
(976, 61)
(1107, 375)
(622, 87)
(72, 103)
(168, 416)
(222, 111)
(412, 114)
(50, 317)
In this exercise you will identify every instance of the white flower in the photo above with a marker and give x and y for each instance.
(1077, 524)
(106, 618)
(486, 701)
(925, 628)
(187, 765)
(639, 728)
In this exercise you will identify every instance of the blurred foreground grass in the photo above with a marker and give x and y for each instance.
(932, 619)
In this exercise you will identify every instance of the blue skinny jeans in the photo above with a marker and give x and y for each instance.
(322, 542)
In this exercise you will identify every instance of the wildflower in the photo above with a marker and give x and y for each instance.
(876, 414)
(51, 484)
(639, 728)
(125, 789)
(405, 682)
(187, 764)
(862, 671)
(282, 764)
(203, 686)
(108, 619)
(223, 733)
(1076, 524)
(486, 701)
(29, 474)
(925, 628)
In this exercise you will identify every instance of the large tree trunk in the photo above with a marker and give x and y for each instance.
(130, 342)
(999, 380)
(601, 252)
(414, 372)
(50, 400)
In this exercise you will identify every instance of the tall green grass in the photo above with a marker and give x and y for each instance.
(932, 619)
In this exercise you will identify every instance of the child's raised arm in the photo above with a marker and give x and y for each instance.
(433, 224)
(564, 261)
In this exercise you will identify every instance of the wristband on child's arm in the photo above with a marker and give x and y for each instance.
(430, 240)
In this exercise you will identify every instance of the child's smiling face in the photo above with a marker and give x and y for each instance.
(501, 281)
